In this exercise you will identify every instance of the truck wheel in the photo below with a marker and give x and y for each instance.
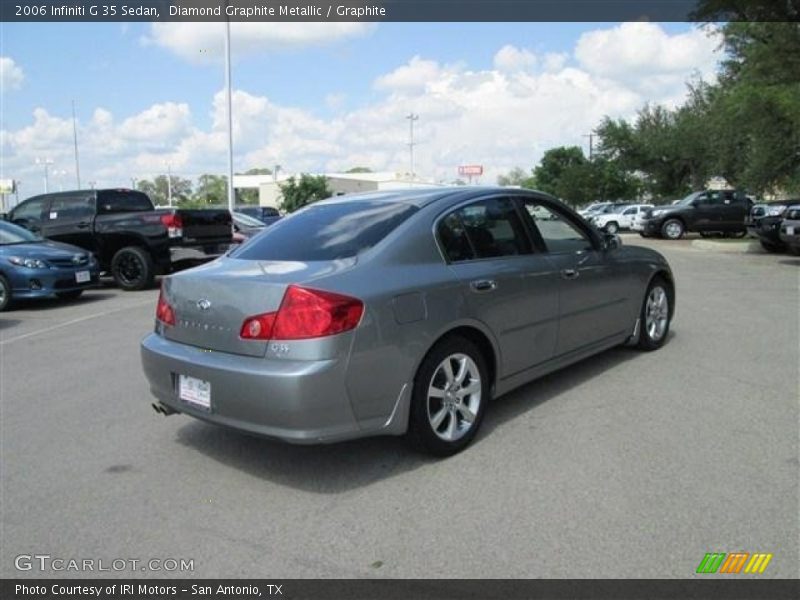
(5, 293)
(769, 246)
(673, 229)
(612, 227)
(132, 268)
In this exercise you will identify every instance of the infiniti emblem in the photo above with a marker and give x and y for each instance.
(203, 304)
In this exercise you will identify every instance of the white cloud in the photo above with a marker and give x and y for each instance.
(204, 42)
(11, 75)
(501, 117)
(510, 58)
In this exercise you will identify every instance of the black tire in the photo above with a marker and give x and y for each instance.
(647, 339)
(643, 234)
(673, 229)
(612, 227)
(72, 295)
(5, 294)
(422, 432)
(739, 233)
(132, 268)
(709, 234)
(769, 246)
(794, 250)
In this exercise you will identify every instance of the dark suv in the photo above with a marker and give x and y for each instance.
(707, 212)
(764, 222)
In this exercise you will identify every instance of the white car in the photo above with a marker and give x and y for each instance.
(624, 218)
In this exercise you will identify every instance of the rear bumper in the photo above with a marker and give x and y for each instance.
(182, 254)
(651, 226)
(302, 402)
(791, 240)
(767, 229)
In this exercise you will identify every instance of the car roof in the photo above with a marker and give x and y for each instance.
(420, 197)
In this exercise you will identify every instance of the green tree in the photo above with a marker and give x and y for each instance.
(296, 193)
(359, 170)
(211, 189)
(158, 190)
(517, 177)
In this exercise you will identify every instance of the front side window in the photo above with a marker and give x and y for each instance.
(30, 210)
(489, 228)
(557, 233)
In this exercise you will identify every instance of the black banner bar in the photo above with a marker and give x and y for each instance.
(401, 589)
(391, 10)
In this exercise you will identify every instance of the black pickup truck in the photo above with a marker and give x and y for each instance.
(132, 240)
(708, 212)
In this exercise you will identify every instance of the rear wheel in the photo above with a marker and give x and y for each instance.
(656, 315)
(72, 295)
(673, 229)
(449, 399)
(132, 268)
(5, 293)
(739, 233)
(612, 227)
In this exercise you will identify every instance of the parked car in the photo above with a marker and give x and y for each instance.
(31, 267)
(266, 214)
(131, 239)
(790, 229)
(592, 208)
(764, 222)
(706, 212)
(398, 312)
(621, 217)
(245, 227)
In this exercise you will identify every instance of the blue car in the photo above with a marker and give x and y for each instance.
(31, 267)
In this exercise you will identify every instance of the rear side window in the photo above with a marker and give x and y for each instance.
(29, 210)
(327, 232)
(114, 201)
(492, 227)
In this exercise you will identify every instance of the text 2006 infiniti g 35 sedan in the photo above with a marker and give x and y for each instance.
(398, 312)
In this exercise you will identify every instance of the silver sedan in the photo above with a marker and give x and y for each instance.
(397, 313)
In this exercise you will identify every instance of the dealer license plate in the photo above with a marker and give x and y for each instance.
(790, 231)
(194, 391)
(83, 276)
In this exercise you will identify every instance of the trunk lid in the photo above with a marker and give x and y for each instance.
(211, 302)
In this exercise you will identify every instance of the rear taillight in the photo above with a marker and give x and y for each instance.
(303, 314)
(174, 225)
(164, 312)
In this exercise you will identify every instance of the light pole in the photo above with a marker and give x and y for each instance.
(229, 101)
(169, 185)
(46, 162)
(75, 140)
(59, 174)
(411, 118)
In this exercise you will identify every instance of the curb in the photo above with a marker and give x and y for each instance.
(733, 247)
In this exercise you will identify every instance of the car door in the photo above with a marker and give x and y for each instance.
(594, 290)
(627, 217)
(29, 214)
(706, 214)
(733, 210)
(507, 286)
(69, 218)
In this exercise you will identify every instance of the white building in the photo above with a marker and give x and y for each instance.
(340, 183)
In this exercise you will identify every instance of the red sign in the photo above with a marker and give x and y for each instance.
(470, 170)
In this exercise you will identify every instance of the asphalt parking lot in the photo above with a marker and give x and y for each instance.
(626, 465)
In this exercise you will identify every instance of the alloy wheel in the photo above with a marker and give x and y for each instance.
(454, 397)
(657, 313)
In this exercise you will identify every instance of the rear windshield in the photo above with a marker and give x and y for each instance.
(327, 232)
(111, 201)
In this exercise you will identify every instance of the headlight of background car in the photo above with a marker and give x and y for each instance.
(30, 263)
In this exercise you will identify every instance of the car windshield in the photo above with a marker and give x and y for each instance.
(327, 232)
(14, 234)
(688, 199)
(612, 209)
(247, 220)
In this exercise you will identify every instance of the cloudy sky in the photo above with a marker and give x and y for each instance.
(320, 97)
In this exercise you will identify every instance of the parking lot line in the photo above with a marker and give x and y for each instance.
(72, 322)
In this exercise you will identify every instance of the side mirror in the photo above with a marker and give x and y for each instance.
(611, 241)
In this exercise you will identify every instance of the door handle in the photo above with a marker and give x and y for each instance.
(570, 273)
(83, 225)
(484, 285)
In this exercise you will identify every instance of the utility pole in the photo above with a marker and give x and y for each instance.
(411, 118)
(46, 162)
(75, 140)
(591, 143)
